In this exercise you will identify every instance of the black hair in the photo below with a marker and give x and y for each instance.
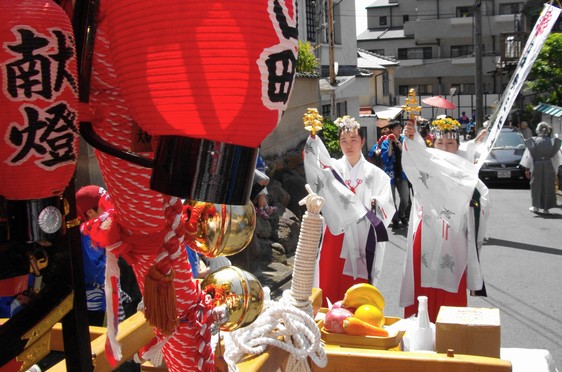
(359, 132)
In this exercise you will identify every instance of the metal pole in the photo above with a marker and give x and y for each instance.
(478, 72)
(331, 54)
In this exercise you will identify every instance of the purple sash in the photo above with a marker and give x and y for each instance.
(377, 232)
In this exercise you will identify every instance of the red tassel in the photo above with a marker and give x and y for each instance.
(160, 308)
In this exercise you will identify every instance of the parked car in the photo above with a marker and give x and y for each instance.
(502, 164)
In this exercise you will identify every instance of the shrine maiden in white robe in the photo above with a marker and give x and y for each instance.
(443, 185)
(344, 210)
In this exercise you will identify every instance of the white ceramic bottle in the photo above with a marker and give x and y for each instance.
(422, 337)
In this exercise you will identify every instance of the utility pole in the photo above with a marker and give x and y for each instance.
(331, 54)
(331, 41)
(478, 55)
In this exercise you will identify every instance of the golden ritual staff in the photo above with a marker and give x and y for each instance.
(411, 105)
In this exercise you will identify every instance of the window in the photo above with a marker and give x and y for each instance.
(326, 111)
(341, 108)
(415, 53)
(464, 11)
(385, 84)
(511, 8)
(426, 89)
(467, 88)
(382, 21)
(461, 51)
(310, 24)
(405, 18)
(380, 52)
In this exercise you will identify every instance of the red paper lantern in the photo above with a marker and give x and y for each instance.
(219, 71)
(39, 107)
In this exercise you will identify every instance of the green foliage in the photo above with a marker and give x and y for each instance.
(306, 60)
(546, 75)
(330, 136)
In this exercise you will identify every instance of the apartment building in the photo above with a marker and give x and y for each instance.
(433, 40)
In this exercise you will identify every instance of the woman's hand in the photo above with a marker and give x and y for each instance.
(481, 136)
(409, 130)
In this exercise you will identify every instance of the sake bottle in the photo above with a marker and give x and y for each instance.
(422, 339)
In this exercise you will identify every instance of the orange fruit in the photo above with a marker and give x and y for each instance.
(370, 314)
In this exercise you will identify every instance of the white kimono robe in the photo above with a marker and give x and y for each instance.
(443, 186)
(344, 211)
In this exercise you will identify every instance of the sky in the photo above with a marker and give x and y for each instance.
(361, 15)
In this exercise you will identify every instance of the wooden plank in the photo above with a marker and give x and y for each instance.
(134, 333)
(57, 343)
(350, 359)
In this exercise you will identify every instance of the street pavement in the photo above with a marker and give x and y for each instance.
(522, 266)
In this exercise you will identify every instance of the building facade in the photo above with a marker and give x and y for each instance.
(434, 43)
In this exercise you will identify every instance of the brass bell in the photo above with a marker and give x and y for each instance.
(219, 229)
(240, 291)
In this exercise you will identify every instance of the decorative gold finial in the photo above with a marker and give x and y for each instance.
(411, 103)
(312, 121)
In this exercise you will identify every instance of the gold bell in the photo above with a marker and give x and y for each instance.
(220, 229)
(240, 291)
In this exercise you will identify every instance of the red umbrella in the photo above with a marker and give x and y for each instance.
(439, 102)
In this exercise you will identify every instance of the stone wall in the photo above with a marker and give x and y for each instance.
(275, 239)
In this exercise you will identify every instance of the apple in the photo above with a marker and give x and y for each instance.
(339, 304)
(333, 322)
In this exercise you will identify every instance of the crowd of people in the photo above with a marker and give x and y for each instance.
(443, 249)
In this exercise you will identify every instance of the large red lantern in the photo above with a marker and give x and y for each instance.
(38, 115)
(209, 78)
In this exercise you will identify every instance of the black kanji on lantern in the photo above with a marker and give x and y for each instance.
(281, 61)
(30, 73)
(49, 136)
(65, 52)
(281, 67)
(288, 31)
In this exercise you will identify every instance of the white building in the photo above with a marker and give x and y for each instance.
(434, 43)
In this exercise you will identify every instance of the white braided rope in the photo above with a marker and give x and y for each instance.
(307, 251)
(288, 324)
(279, 325)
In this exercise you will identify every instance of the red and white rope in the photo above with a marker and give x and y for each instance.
(143, 214)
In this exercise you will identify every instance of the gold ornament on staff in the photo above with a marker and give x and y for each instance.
(312, 121)
(411, 105)
(240, 292)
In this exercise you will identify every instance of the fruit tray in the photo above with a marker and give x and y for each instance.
(366, 342)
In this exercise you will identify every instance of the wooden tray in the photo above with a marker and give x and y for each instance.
(368, 342)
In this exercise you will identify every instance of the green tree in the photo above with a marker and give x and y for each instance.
(546, 75)
(330, 137)
(306, 60)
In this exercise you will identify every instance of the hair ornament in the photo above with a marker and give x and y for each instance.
(445, 128)
(347, 123)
